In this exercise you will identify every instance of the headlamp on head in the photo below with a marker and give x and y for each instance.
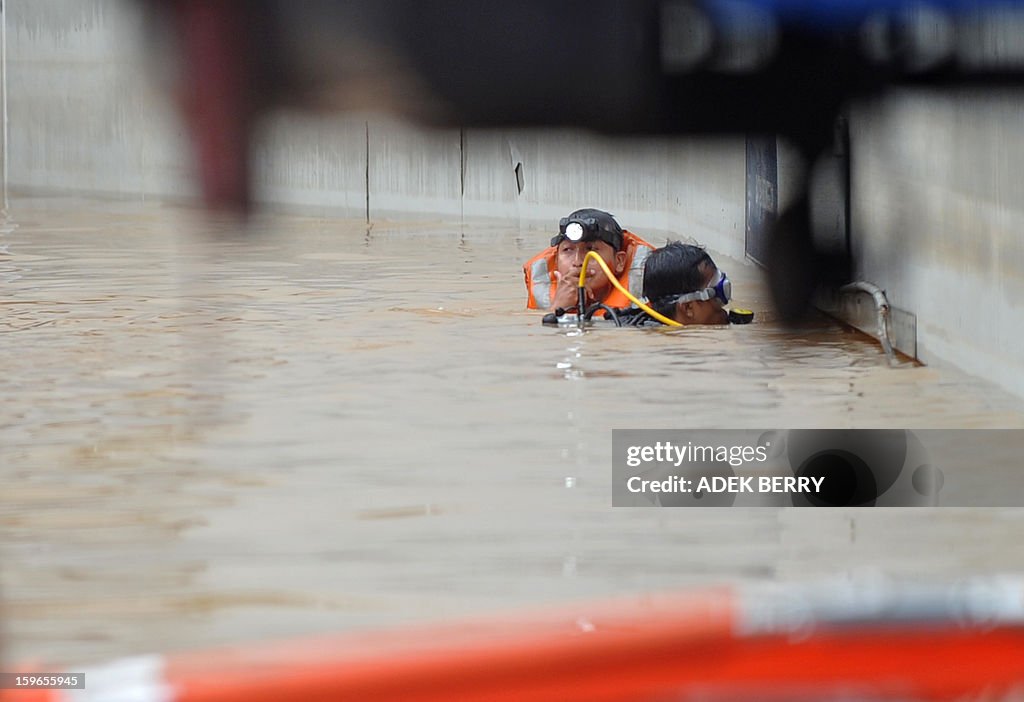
(573, 231)
(588, 228)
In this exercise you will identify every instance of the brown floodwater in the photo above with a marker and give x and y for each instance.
(320, 425)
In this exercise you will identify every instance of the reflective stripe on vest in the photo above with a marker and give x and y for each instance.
(541, 283)
(636, 271)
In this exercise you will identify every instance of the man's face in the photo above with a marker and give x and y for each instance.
(703, 311)
(570, 261)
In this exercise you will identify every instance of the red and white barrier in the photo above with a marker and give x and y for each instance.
(732, 643)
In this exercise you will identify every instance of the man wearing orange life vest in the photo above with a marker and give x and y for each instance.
(552, 276)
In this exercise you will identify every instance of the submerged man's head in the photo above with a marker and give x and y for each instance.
(590, 230)
(683, 283)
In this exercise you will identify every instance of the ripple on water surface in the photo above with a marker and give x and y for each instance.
(211, 438)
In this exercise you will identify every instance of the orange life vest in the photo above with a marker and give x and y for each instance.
(541, 284)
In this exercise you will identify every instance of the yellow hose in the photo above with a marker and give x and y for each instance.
(607, 271)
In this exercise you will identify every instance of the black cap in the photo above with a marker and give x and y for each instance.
(595, 225)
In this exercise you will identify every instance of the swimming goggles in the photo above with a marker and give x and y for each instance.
(720, 289)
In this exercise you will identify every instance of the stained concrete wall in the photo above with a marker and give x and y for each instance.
(312, 164)
(938, 222)
(80, 116)
(377, 165)
(673, 187)
(85, 117)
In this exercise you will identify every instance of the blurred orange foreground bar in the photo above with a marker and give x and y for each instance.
(710, 644)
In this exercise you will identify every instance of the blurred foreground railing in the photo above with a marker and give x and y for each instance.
(775, 642)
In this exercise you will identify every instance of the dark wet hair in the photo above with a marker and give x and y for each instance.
(671, 271)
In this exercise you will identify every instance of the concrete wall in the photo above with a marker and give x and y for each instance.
(680, 187)
(938, 222)
(80, 116)
(354, 164)
(312, 164)
(86, 117)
